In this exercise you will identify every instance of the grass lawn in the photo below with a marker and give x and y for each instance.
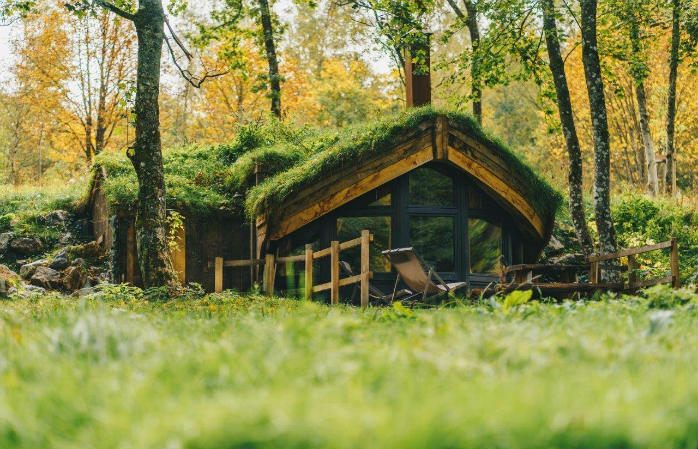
(224, 371)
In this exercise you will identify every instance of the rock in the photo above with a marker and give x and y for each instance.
(88, 251)
(57, 218)
(29, 290)
(60, 261)
(46, 277)
(8, 275)
(28, 270)
(26, 245)
(79, 262)
(74, 278)
(83, 292)
(66, 239)
(5, 239)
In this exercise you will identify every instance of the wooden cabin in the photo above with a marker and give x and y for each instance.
(463, 203)
(425, 178)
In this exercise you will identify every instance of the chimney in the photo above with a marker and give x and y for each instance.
(417, 76)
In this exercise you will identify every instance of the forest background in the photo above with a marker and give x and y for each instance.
(68, 83)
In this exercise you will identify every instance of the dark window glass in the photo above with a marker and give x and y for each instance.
(485, 245)
(430, 187)
(433, 239)
(349, 228)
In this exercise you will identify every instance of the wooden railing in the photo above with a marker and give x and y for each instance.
(523, 274)
(631, 253)
(270, 263)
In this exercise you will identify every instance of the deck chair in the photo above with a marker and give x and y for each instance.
(418, 276)
(373, 292)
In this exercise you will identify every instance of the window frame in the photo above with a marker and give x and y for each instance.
(400, 212)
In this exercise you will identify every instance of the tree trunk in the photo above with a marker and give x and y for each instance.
(599, 121)
(647, 144)
(474, 31)
(146, 154)
(564, 106)
(671, 98)
(270, 49)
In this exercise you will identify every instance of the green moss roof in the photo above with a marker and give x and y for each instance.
(352, 145)
(203, 180)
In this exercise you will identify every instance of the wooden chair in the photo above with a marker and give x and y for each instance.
(419, 277)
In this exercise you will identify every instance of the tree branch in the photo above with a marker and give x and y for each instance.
(186, 74)
(116, 10)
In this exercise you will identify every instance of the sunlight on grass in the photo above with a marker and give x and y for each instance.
(237, 372)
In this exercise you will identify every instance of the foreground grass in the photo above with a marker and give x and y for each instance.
(233, 372)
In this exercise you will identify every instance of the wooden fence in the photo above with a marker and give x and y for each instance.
(631, 253)
(271, 262)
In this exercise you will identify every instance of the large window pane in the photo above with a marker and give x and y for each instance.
(433, 239)
(485, 246)
(349, 228)
(430, 187)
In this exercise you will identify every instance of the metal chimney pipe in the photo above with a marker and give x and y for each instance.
(417, 74)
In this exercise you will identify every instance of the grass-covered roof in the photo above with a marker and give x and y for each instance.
(204, 180)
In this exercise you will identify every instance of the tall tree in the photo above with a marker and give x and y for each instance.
(599, 120)
(470, 18)
(670, 181)
(146, 153)
(270, 51)
(564, 105)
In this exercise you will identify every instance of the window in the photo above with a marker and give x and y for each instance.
(350, 228)
(430, 187)
(433, 239)
(485, 245)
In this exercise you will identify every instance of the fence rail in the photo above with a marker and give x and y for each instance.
(270, 263)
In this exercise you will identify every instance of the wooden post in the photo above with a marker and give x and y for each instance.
(269, 271)
(675, 263)
(218, 275)
(334, 272)
(632, 275)
(308, 272)
(594, 273)
(365, 262)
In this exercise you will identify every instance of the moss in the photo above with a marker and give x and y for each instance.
(351, 146)
(204, 180)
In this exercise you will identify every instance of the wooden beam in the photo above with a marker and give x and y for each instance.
(441, 138)
(328, 203)
(242, 263)
(629, 252)
(308, 272)
(675, 262)
(179, 254)
(269, 271)
(131, 256)
(365, 261)
(342, 282)
(500, 186)
(632, 271)
(218, 275)
(334, 272)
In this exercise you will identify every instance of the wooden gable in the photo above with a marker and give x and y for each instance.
(434, 140)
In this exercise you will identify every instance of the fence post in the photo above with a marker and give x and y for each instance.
(218, 274)
(269, 271)
(308, 272)
(594, 273)
(365, 262)
(632, 274)
(675, 263)
(334, 272)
